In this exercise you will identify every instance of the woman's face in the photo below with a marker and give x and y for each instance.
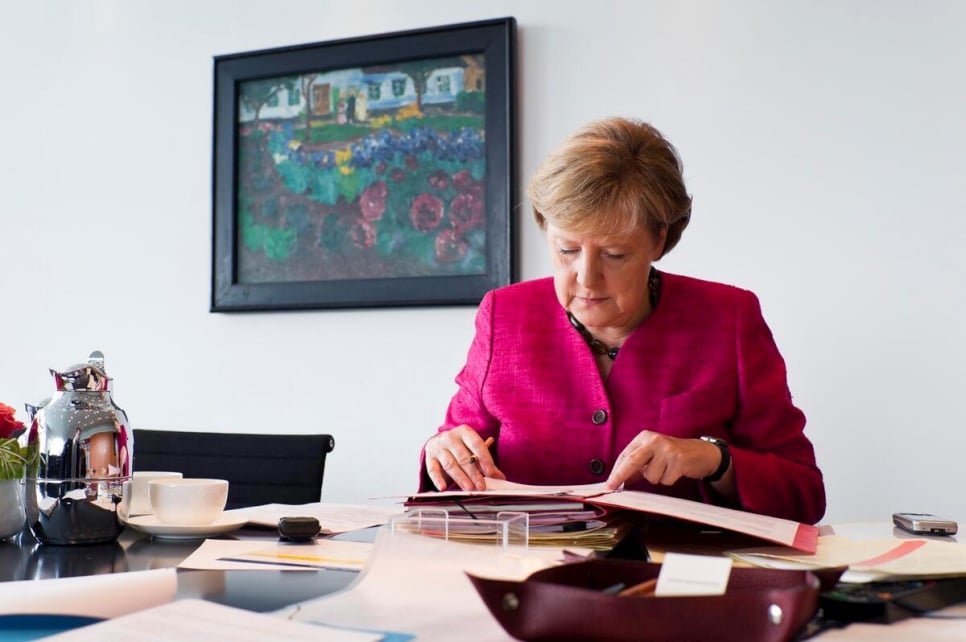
(602, 279)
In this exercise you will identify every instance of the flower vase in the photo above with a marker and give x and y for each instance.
(13, 517)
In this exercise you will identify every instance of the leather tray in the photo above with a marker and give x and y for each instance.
(568, 602)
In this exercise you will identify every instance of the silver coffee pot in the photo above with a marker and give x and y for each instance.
(80, 451)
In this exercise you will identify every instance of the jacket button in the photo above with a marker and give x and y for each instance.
(599, 417)
(596, 466)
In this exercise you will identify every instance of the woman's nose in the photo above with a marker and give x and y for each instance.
(586, 267)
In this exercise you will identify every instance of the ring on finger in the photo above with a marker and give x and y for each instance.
(473, 459)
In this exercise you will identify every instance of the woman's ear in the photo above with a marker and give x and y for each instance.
(659, 242)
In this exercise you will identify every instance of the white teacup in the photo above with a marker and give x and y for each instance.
(188, 501)
(136, 497)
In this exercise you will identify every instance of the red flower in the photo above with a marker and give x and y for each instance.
(465, 212)
(426, 212)
(363, 234)
(450, 246)
(397, 174)
(373, 201)
(9, 426)
(462, 180)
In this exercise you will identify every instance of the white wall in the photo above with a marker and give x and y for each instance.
(823, 142)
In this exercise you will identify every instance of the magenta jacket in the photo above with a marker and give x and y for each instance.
(703, 363)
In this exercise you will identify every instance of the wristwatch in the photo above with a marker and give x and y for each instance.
(725, 458)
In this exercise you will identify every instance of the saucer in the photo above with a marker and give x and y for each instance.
(150, 524)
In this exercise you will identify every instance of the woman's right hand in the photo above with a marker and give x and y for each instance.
(460, 456)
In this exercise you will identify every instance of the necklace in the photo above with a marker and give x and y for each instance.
(598, 346)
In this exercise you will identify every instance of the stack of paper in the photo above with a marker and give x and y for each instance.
(616, 505)
(551, 522)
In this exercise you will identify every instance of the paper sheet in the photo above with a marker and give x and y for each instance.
(268, 555)
(334, 518)
(201, 621)
(869, 559)
(104, 596)
(417, 585)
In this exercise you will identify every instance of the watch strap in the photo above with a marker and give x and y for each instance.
(725, 459)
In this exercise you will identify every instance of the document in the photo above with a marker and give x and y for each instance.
(229, 555)
(802, 537)
(126, 593)
(200, 621)
(868, 559)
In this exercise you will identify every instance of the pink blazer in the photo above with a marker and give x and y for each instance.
(703, 363)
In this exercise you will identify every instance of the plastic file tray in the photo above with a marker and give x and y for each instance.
(505, 530)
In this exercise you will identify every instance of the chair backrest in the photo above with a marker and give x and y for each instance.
(260, 468)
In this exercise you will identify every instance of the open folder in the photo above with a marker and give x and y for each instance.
(803, 537)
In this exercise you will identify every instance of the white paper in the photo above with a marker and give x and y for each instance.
(693, 575)
(334, 518)
(870, 559)
(201, 621)
(281, 556)
(418, 585)
(103, 596)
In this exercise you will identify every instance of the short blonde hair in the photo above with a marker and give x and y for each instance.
(612, 176)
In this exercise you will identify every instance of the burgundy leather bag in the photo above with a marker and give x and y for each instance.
(570, 602)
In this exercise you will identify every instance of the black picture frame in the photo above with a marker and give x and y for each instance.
(277, 185)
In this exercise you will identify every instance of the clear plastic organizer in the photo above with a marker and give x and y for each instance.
(507, 529)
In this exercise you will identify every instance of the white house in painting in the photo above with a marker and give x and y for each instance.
(323, 93)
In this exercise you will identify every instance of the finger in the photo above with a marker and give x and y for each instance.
(480, 462)
(654, 471)
(489, 468)
(496, 473)
(455, 471)
(625, 471)
(435, 472)
(475, 471)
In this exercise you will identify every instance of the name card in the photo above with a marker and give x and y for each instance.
(693, 575)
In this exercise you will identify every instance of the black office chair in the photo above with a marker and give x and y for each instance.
(260, 468)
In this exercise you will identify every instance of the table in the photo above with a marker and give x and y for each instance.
(255, 590)
(271, 590)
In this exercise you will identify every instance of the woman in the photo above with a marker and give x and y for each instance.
(614, 371)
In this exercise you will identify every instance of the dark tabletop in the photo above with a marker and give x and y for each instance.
(23, 558)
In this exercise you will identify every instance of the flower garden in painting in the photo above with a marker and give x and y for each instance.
(355, 191)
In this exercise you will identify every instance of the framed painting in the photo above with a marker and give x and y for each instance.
(368, 172)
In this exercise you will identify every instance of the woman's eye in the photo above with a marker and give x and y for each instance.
(566, 251)
(614, 256)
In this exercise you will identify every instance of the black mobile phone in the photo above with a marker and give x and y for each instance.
(298, 529)
(924, 524)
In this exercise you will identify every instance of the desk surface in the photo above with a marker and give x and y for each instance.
(270, 590)
(23, 558)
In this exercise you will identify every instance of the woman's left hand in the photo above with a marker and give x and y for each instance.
(662, 459)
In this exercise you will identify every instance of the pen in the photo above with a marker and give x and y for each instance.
(640, 590)
(486, 444)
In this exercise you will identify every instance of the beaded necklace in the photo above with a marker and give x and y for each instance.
(598, 346)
